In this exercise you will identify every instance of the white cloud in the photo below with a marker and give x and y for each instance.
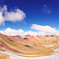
(12, 32)
(45, 30)
(30, 33)
(14, 16)
(1, 18)
(18, 15)
(42, 28)
(46, 9)
(3, 9)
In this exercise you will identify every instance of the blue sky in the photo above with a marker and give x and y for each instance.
(40, 12)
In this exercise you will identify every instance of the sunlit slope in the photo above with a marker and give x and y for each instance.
(32, 46)
(4, 56)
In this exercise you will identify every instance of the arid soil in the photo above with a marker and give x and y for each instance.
(31, 46)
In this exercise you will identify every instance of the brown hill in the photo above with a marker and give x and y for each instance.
(31, 45)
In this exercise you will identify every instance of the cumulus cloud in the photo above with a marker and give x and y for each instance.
(14, 16)
(12, 32)
(42, 31)
(30, 33)
(45, 30)
(3, 9)
(46, 9)
(18, 15)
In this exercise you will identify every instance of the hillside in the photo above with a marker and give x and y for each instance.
(31, 46)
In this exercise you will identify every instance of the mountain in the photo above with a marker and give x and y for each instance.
(17, 36)
(30, 45)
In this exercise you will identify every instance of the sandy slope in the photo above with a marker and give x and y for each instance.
(43, 47)
(12, 56)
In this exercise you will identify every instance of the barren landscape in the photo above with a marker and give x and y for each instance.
(31, 46)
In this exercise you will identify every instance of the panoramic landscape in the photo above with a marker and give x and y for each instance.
(29, 29)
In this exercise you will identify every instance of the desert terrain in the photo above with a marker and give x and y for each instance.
(28, 47)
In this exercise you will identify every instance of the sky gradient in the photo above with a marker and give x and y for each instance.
(39, 12)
